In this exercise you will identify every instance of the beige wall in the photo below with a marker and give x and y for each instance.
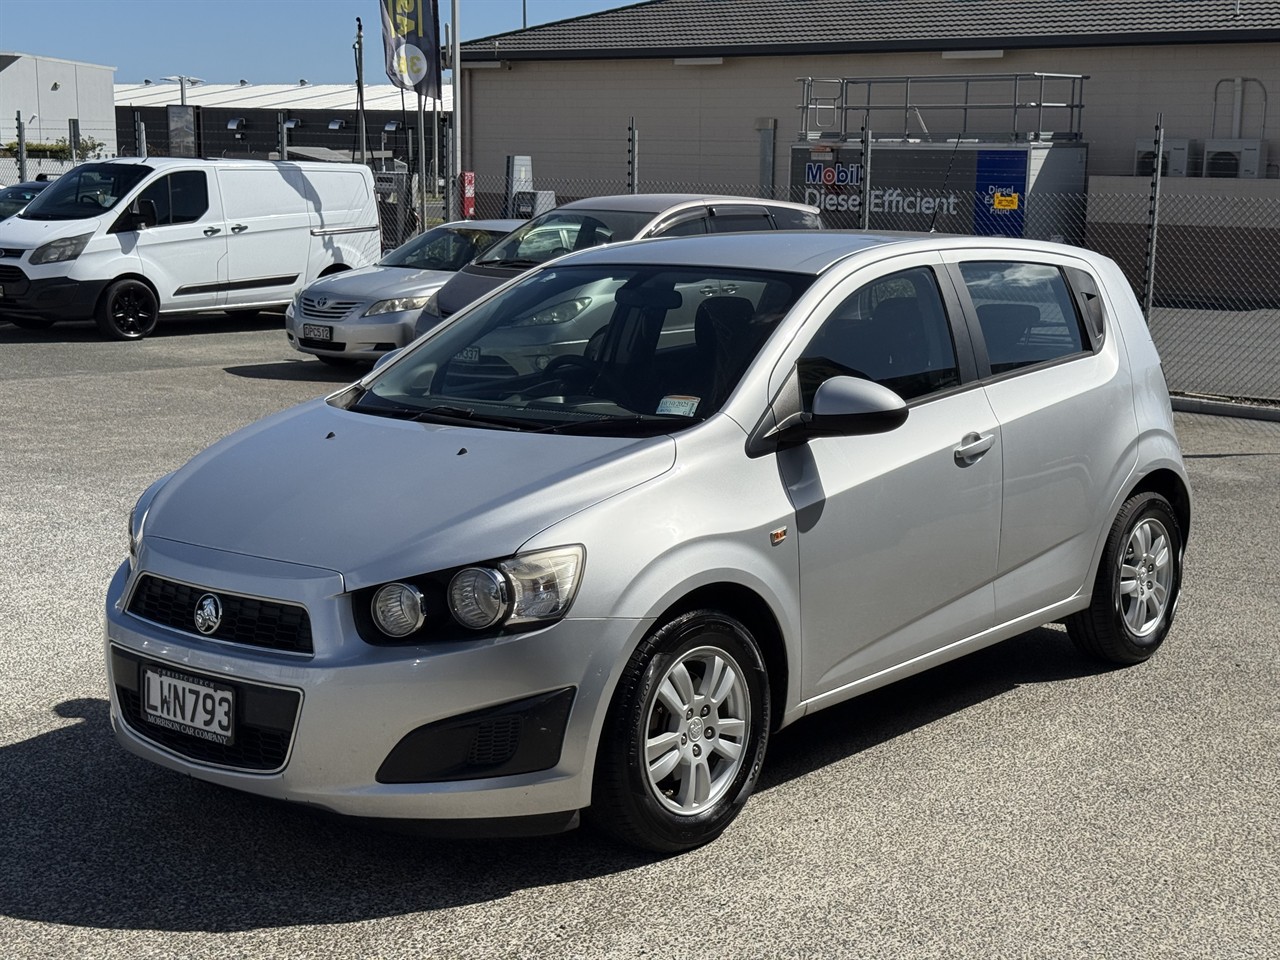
(697, 123)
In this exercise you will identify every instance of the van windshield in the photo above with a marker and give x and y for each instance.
(86, 191)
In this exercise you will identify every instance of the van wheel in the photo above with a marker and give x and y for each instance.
(127, 311)
(1136, 592)
(685, 736)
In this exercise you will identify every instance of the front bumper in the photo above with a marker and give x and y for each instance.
(357, 338)
(363, 710)
(48, 298)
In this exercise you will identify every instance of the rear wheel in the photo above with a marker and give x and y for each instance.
(1136, 592)
(127, 311)
(686, 734)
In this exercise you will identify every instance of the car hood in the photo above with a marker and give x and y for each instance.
(377, 499)
(470, 284)
(17, 231)
(379, 283)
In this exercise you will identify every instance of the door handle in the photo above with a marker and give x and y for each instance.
(973, 446)
(210, 231)
(239, 228)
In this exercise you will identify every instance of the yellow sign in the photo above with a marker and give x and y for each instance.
(1005, 201)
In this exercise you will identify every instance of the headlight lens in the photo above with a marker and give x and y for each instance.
(479, 597)
(525, 589)
(398, 609)
(398, 305)
(556, 313)
(68, 248)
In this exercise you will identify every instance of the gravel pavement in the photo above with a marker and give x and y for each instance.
(1020, 802)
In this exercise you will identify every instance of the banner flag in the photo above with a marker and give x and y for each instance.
(411, 36)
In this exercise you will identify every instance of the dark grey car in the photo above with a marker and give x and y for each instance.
(583, 224)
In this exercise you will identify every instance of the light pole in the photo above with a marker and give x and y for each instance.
(183, 82)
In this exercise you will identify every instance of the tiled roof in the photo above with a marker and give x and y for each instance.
(781, 27)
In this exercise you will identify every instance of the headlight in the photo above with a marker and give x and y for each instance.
(398, 305)
(525, 589)
(556, 313)
(398, 609)
(68, 248)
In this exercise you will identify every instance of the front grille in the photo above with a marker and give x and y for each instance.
(330, 311)
(12, 252)
(247, 620)
(264, 721)
(321, 344)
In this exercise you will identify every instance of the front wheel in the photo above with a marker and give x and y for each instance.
(127, 311)
(1136, 592)
(685, 736)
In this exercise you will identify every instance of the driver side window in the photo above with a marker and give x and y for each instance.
(893, 331)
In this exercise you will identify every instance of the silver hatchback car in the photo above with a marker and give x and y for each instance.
(795, 467)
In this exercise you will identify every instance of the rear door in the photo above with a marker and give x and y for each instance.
(268, 232)
(1060, 389)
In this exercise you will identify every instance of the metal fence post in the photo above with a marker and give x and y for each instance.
(1153, 222)
(633, 158)
(22, 150)
(864, 188)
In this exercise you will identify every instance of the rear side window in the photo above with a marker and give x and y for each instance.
(741, 222)
(788, 219)
(1026, 313)
(894, 331)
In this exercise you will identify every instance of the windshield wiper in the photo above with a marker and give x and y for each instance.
(518, 262)
(647, 423)
(460, 416)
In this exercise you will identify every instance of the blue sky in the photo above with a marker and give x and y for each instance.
(222, 41)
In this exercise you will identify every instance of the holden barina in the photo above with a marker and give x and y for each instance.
(784, 470)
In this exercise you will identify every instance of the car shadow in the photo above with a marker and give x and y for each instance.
(299, 369)
(96, 837)
(86, 331)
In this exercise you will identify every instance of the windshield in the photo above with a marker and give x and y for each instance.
(13, 199)
(604, 350)
(442, 248)
(85, 191)
(561, 231)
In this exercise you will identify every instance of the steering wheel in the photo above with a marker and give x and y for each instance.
(581, 367)
(90, 201)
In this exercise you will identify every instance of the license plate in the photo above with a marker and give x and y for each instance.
(468, 355)
(314, 331)
(188, 705)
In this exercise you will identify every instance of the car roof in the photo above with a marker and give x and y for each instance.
(791, 251)
(656, 203)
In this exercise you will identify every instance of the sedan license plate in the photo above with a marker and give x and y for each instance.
(188, 705)
(314, 331)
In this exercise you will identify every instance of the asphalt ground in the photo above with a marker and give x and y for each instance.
(1020, 802)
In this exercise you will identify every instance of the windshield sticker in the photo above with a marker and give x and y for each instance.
(678, 406)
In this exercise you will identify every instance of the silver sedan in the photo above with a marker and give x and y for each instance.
(787, 469)
(359, 315)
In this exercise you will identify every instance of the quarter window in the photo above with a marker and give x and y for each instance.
(894, 331)
(1025, 311)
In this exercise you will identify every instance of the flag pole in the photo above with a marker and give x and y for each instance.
(360, 86)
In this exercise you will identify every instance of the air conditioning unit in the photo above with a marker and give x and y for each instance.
(1177, 160)
(1235, 159)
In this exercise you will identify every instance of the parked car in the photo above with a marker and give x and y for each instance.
(587, 223)
(362, 314)
(124, 241)
(602, 584)
(13, 199)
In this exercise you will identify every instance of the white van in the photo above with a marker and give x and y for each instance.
(124, 241)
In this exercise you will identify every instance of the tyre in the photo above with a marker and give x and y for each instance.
(127, 311)
(30, 323)
(685, 736)
(1136, 592)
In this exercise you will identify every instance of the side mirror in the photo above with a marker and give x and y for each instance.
(140, 215)
(386, 358)
(845, 407)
